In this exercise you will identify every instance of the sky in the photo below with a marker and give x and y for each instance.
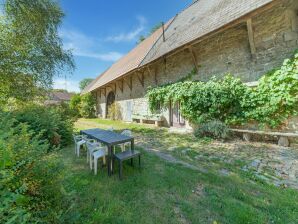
(99, 32)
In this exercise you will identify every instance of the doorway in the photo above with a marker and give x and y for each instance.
(110, 101)
(176, 119)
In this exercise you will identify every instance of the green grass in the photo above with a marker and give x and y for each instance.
(163, 192)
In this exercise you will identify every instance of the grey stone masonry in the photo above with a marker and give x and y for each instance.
(274, 38)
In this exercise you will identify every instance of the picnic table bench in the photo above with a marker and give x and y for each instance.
(283, 137)
(110, 139)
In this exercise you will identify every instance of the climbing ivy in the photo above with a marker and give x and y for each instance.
(231, 101)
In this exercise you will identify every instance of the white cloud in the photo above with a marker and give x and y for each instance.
(132, 35)
(110, 56)
(83, 46)
(71, 85)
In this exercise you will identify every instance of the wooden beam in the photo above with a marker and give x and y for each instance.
(129, 82)
(140, 76)
(251, 38)
(154, 74)
(165, 64)
(194, 57)
(291, 18)
(121, 85)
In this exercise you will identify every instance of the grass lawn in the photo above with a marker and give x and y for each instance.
(165, 192)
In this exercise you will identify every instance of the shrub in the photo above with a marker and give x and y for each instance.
(52, 123)
(230, 101)
(87, 106)
(115, 112)
(30, 183)
(65, 111)
(74, 105)
(213, 129)
(201, 102)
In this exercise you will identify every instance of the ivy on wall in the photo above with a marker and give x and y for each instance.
(231, 101)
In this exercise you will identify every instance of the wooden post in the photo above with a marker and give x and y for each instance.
(105, 93)
(154, 74)
(251, 38)
(292, 20)
(121, 85)
(129, 83)
(194, 57)
(140, 76)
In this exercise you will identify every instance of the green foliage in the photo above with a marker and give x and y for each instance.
(230, 101)
(87, 106)
(74, 104)
(84, 83)
(115, 112)
(31, 49)
(65, 111)
(30, 183)
(201, 102)
(52, 123)
(83, 106)
(213, 129)
(153, 29)
(276, 97)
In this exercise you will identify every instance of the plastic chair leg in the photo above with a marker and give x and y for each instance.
(91, 162)
(95, 166)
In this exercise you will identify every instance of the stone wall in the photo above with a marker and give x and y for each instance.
(275, 36)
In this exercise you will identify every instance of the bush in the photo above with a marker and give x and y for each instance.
(115, 112)
(87, 106)
(213, 129)
(30, 178)
(65, 111)
(52, 123)
(74, 105)
(230, 101)
(201, 102)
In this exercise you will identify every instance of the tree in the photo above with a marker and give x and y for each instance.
(84, 83)
(74, 104)
(87, 106)
(31, 51)
(141, 39)
(153, 29)
(156, 27)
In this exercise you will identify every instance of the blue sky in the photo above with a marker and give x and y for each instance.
(99, 31)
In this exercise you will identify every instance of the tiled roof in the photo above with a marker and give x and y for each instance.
(199, 19)
(128, 62)
(60, 96)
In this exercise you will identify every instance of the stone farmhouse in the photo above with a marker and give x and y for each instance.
(243, 37)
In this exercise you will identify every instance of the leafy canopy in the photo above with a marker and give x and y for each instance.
(31, 51)
(84, 83)
(83, 106)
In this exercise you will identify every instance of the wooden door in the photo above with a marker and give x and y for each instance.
(176, 119)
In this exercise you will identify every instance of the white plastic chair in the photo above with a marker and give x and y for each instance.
(100, 153)
(79, 145)
(79, 140)
(91, 147)
(129, 134)
(76, 139)
(110, 129)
